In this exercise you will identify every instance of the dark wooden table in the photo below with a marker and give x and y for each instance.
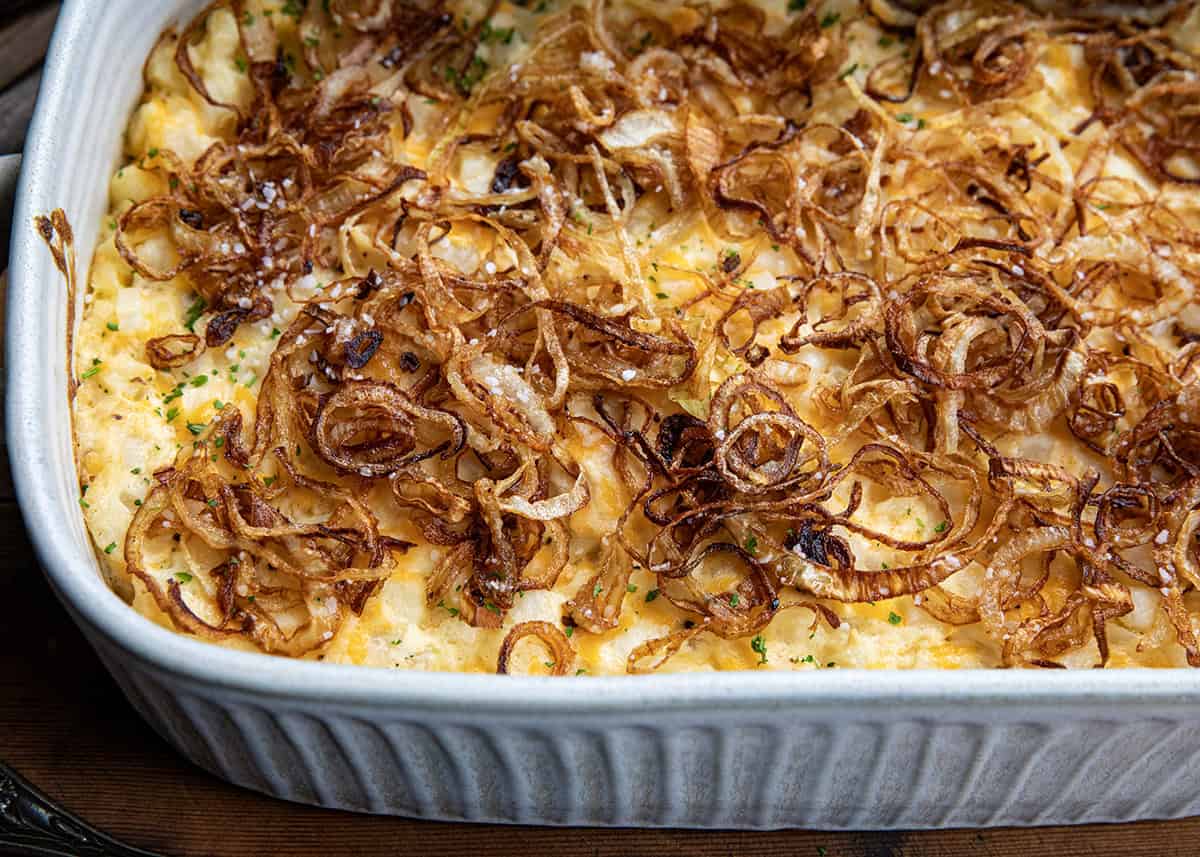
(65, 727)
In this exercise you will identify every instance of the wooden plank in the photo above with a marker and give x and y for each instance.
(24, 37)
(16, 109)
(65, 726)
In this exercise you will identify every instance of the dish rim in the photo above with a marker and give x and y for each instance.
(74, 576)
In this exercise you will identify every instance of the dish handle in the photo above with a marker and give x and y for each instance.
(10, 171)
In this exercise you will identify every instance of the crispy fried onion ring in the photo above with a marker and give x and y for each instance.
(955, 294)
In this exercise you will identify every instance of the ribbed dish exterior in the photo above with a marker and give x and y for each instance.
(830, 748)
(865, 770)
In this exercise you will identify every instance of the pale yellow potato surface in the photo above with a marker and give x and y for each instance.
(128, 424)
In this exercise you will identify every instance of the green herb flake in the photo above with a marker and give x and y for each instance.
(853, 67)
(830, 19)
(651, 595)
(797, 5)
(596, 590)
(941, 527)
(292, 9)
(110, 547)
(240, 64)
(197, 428)
(194, 311)
(172, 413)
(894, 619)
(886, 41)
(199, 381)
(631, 587)
(734, 599)
(183, 577)
(570, 630)
(96, 364)
(113, 326)
(752, 545)
(758, 644)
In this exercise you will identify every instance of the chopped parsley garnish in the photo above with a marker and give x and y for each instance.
(292, 9)
(849, 71)
(240, 64)
(797, 5)
(113, 326)
(651, 595)
(172, 413)
(631, 587)
(153, 153)
(596, 590)
(758, 644)
(110, 547)
(752, 545)
(194, 312)
(941, 527)
(96, 364)
(734, 599)
(183, 577)
(199, 381)
(894, 619)
(830, 19)
(886, 41)
(488, 33)
(197, 428)
(570, 629)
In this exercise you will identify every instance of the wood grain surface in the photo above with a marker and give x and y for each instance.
(65, 726)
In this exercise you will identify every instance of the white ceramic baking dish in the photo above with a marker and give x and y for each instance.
(833, 749)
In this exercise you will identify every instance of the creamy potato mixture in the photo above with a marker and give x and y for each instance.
(648, 202)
